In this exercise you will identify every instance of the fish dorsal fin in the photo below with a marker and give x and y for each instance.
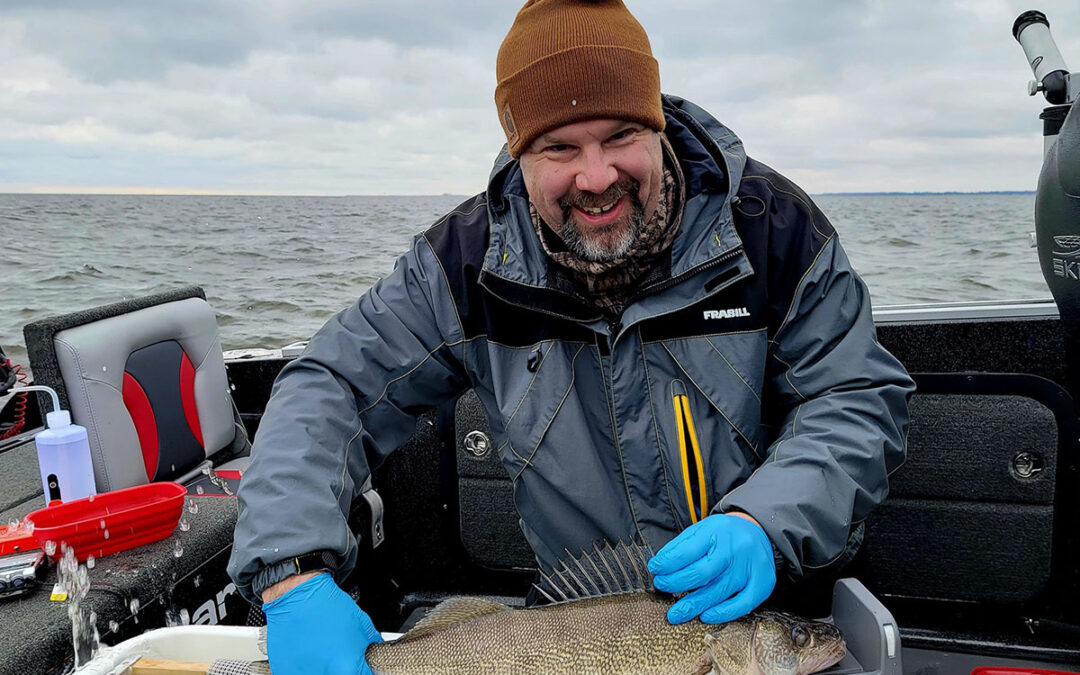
(605, 570)
(453, 611)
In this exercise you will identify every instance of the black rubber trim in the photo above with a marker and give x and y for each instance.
(1026, 19)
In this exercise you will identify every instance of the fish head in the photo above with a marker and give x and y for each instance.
(780, 644)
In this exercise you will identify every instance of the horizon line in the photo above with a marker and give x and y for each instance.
(881, 193)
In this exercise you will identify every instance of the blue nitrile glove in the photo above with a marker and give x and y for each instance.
(727, 561)
(317, 628)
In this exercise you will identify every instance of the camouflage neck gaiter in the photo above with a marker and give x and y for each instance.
(609, 284)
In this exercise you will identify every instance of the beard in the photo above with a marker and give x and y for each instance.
(610, 242)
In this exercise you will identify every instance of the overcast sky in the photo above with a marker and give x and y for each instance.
(395, 97)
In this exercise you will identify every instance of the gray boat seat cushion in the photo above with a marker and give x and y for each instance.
(150, 387)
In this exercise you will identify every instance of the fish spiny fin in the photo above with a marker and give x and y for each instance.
(633, 555)
(544, 593)
(451, 612)
(585, 575)
(596, 570)
(552, 584)
(573, 592)
(581, 579)
(607, 567)
(606, 570)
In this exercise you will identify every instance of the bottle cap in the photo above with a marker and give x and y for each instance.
(58, 418)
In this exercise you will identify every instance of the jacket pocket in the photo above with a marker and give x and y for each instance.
(693, 469)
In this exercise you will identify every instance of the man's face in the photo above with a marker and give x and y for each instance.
(595, 183)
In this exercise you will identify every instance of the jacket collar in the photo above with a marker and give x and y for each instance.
(712, 159)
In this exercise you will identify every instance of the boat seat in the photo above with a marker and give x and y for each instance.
(147, 379)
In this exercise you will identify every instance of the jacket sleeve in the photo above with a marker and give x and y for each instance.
(841, 401)
(336, 412)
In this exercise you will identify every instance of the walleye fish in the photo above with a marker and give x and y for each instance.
(603, 628)
(605, 618)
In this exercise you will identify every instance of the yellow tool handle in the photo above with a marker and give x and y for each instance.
(145, 666)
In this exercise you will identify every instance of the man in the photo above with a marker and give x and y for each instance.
(666, 336)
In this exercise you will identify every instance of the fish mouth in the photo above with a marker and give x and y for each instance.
(826, 660)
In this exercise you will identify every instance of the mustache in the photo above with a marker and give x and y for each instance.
(591, 200)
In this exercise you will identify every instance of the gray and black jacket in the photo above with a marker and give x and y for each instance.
(752, 356)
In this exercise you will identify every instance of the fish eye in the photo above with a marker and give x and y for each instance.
(800, 636)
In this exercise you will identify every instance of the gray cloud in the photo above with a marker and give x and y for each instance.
(348, 96)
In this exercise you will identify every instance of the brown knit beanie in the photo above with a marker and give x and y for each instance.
(565, 61)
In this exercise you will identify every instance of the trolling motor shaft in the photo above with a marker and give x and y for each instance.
(1057, 199)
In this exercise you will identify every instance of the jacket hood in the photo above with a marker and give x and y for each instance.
(712, 159)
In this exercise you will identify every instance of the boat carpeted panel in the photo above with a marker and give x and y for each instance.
(962, 447)
(957, 549)
(38, 631)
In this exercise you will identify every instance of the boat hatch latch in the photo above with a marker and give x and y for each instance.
(1027, 464)
(477, 444)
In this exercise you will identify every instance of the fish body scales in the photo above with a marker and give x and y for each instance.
(610, 635)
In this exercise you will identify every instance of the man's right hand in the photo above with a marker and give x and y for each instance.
(317, 628)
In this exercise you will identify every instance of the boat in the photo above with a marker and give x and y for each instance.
(974, 557)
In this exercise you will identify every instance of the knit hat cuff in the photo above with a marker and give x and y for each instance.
(581, 83)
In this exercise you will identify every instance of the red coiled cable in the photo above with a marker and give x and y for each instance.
(20, 401)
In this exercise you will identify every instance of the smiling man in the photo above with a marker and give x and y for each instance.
(666, 336)
(593, 182)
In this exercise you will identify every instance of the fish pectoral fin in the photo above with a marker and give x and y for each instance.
(704, 665)
(451, 612)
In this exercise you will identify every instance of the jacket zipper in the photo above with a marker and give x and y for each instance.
(615, 327)
(693, 469)
(668, 283)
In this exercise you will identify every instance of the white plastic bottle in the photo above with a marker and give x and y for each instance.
(63, 450)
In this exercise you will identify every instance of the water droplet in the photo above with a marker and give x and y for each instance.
(91, 498)
(28, 526)
(275, 549)
(105, 534)
(200, 490)
(184, 524)
(90, 562)
(178, 550)
(134, 605)
(13, 525)
(113, 626)
(104, 369)
(172, 467)
(193, 507)
(185, 617)
(197, 581)
(102, 523)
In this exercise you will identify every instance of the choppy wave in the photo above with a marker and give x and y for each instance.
(276, 268)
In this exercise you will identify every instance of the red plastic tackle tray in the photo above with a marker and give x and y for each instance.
(111, 522)
(16, 540)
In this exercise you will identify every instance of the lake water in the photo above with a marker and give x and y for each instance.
(276, 268)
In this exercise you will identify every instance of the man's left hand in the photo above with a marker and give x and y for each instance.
(726, 560)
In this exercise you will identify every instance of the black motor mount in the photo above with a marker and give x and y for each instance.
(1057, 232)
